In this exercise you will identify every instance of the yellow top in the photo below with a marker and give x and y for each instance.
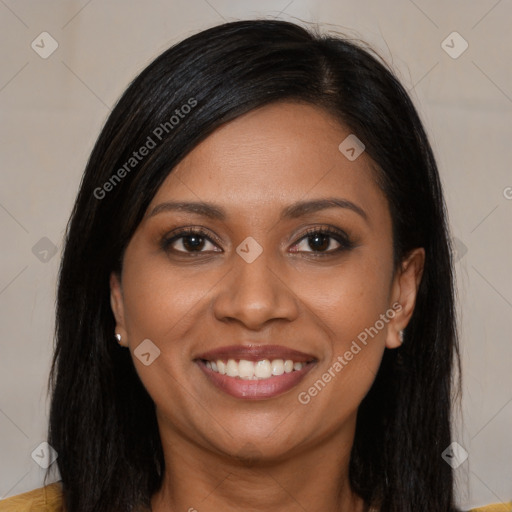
(49, 499)
(44, 499)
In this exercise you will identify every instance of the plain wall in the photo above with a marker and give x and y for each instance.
(53, 109)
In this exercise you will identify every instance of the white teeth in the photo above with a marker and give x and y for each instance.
(278, 367)
(245, 369)
(221, 367)
(249, 370)
(232, 368)
(263, 369)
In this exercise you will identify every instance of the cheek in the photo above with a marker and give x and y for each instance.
(352, 304)
(160, 301)
(163, 306)
(354, 295)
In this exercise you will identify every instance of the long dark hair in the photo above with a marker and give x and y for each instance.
(102, 420)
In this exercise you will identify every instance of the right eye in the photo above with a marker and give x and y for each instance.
(192, 241)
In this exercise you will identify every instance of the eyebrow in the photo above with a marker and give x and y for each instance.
(293, 211)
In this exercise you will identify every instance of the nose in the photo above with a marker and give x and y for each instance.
(256, 293)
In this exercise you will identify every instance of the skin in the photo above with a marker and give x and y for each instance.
(224, 453)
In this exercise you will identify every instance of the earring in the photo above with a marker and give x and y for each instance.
(401, 336)
(118, 337)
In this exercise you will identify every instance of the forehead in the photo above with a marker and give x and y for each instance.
(271, 156)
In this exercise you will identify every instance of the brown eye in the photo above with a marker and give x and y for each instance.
(191, 241)
(320, 240)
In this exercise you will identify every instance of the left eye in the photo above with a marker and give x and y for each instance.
(320, 241)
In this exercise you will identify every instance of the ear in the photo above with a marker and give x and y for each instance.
(117, 305)
(403, 294)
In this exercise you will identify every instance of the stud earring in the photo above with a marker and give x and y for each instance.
(118, 338)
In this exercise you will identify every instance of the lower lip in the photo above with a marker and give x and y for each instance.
(255, 389)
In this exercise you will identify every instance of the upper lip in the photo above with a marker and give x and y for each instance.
(256, 353)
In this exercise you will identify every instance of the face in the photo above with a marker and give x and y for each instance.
(317, 281)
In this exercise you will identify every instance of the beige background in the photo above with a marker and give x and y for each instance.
(53, 109)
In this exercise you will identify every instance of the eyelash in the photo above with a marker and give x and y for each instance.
(338, 235)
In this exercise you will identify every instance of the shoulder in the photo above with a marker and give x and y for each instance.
(501, 507)
(44, 499)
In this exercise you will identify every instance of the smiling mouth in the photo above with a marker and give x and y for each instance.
(254, 370)
(255, 380)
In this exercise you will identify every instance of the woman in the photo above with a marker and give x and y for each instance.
(262, 230)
